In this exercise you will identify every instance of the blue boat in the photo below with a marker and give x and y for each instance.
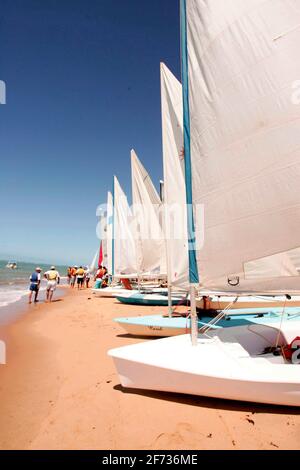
(151, 299)
(163, 326)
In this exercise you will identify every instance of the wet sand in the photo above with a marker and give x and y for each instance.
(59, 390)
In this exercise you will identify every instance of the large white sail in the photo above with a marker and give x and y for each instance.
(175, 223)
(243, 61)
(124, 254)
(150, 243)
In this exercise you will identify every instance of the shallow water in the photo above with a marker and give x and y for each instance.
(14, 283)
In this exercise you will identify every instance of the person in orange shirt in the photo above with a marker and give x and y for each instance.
(100, 273)
(73, 276)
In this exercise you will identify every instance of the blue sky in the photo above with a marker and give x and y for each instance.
(83, 89)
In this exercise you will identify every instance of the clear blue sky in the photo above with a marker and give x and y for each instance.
(83, 89)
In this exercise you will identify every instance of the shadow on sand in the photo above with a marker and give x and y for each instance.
(129, 336)
(213, 403)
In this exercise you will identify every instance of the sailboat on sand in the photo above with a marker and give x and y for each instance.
(149, 238)
(239, 310)
(242, 161)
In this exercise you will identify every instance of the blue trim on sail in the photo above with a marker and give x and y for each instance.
(193, 268)
(113, 231)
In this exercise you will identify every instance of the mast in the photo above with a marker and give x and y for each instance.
(113, 231)
(170, 311)
(193, 269)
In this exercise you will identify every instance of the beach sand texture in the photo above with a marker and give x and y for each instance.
(60, 390)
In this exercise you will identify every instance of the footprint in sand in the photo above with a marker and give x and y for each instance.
(184, 433)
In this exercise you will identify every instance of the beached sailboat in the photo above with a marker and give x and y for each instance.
(150, 246)
(242, 161)
(175, 233)
(118, 241)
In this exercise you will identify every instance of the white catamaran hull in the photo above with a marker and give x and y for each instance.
(122, 292)
(157, 326)
(228, 366)
(223, 302)
(110, 292)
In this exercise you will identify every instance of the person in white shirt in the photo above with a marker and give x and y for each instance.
(53, 278)
(87, 276)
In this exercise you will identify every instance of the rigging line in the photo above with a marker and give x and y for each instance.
(205, 329)
(281, 321)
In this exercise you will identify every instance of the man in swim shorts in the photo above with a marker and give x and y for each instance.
(53, 278)
(35, 281)
(80, 277)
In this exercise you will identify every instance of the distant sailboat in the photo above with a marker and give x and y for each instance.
(12, 265)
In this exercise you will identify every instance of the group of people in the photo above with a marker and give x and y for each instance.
(76, 275)
(53, 278)
(79, 275)
(101, 277)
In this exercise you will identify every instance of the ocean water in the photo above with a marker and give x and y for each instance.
(14, 283)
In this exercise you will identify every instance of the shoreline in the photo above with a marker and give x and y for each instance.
(14, 310)
(60, 390)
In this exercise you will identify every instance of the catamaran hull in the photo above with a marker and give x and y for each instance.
(221, 303)
(152, 330)
(114, 292)
(174, 365)
(109, 292)
(149, 300)
(175, 381)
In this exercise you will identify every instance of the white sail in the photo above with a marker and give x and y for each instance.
(175, 223)
(93, 265)
(150, 243)
(124, 255)
(103, 251)
(244, 163)
(109, 232)
(243, 61)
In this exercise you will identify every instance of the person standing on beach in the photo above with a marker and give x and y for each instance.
(35, 281)
(87, 276)
(80, 277)
(53, 279)
(100, 273)
(73, 276)
(69, 274)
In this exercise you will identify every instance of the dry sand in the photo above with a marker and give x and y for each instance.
(59, 390)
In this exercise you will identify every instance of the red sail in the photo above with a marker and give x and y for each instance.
(100, 261)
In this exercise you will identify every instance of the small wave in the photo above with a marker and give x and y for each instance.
(9, 296)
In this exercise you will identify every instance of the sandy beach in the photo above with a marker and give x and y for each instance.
(59, 390)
